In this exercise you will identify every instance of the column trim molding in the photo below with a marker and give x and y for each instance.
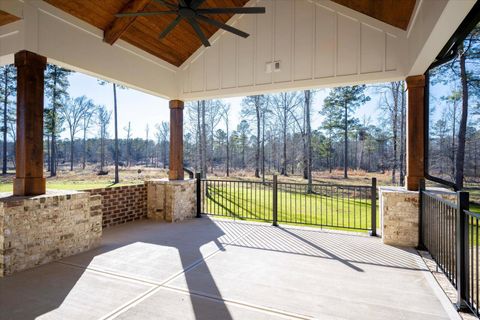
(415, 81)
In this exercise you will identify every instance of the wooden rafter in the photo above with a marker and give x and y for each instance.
(118, 26)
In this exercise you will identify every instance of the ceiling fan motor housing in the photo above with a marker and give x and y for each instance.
(190, 11)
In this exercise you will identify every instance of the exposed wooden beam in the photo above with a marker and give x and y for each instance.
(118, 26)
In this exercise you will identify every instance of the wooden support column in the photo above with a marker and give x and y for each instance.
(176, 140)
(415, 131)
(29, 179)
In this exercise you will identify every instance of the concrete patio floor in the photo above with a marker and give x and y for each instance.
(218, 269)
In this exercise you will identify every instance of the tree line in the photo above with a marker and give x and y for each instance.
(86, 124)
(273, 133)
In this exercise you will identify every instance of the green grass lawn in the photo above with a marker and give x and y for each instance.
(327, 208)
(474, 207)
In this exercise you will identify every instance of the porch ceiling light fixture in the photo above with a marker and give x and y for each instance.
(189, 10)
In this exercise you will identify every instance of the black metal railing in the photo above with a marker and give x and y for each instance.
(449, 231)
(325, 205)
(439, 231)
(471, 261)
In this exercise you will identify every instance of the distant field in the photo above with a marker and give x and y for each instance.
(88, 179)
(8, 187)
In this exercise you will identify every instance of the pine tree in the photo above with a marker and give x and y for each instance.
(56, 85)
(343, 102)
(104, 117)
(254, 106)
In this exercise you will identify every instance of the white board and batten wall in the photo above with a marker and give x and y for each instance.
(296, 44)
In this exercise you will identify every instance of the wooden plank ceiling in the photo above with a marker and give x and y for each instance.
(6, 18)
(182, 41)
(143, 32)
(393, 12)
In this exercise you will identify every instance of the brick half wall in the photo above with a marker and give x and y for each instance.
(122, 204)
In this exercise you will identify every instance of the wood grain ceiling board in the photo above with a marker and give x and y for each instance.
(393, 12)
(6, 18)
(143, 33)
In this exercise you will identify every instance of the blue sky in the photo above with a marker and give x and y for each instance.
(141, 109)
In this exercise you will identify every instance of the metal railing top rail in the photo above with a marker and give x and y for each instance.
(236, 181)
(292, 183)
(472, 214)
(438, 198)
(327, 185)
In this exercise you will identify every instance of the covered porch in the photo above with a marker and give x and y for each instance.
(60, 263)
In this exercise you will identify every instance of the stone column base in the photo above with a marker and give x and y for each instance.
(41, 229)
(171, 200)
(400, 212)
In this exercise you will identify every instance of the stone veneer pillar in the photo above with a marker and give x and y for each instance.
(171, 200)
(399, 214)
(45, 228)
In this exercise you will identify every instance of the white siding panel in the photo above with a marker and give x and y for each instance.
(212, 68)
(325, 43)
(186, 80)
(246, 51)
(304, 41)
(228, 61)
(264, 42)
(373, 49)
(283, 40)
(348, 44)
(391, 53)
(197, 75)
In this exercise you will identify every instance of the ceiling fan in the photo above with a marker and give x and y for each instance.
(189, 10)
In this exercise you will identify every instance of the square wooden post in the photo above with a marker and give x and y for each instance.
(176, 140)
(29, 178)
(415, 131)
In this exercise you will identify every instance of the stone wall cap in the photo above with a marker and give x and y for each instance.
(396, 190)
(8, 196)
(404, 190)
(171, 182)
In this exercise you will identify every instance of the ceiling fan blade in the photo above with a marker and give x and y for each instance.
(196, 3)
(223, 26)
(144, 14)
(199, 31)
(167, 4)
(170, 27)
(231, 10)
(182, 3)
